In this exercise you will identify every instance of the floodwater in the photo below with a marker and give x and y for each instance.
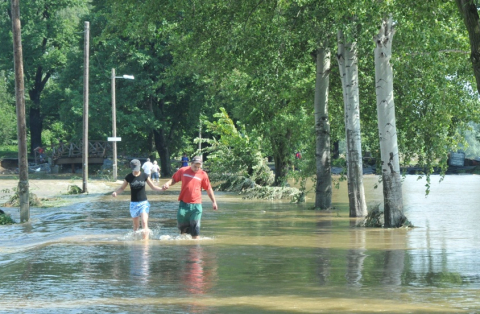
(253, 257)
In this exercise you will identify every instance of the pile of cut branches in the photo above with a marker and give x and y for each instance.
(14, 200)
(250, 190)
(5, 219)
(376, 219)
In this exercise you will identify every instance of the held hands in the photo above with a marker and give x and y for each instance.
(167, 184)
(114, 194)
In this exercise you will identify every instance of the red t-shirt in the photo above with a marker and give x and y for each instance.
(192, 184)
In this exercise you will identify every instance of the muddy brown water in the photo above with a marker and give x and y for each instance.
(253, 257)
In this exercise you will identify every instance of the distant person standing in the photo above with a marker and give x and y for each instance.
(155, 171)
(147, 167)
(190, 210)
(139, 205)
(41, 154)
(185, 160)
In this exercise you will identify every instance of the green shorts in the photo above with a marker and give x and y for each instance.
(188, 218)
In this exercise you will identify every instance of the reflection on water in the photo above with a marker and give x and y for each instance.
(199, 271)
(253, 257)
(140, 262)
(356, 255)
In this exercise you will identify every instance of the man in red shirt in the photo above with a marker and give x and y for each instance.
(193, 179)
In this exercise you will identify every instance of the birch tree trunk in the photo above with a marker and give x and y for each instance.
(323, 191)
(348, 63)
(392, 185)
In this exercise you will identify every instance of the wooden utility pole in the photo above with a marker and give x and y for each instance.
(23, 187)
(86, 65)
(114, 128)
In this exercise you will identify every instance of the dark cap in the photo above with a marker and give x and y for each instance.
(197, 160)
(135, 165)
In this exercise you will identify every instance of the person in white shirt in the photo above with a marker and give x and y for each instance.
(155, 172)
(147, 167)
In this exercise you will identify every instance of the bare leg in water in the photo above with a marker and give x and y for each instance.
(136, 224)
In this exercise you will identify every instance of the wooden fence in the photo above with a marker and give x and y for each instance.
(72, 152)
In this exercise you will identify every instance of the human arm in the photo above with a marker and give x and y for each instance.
(120, 189)
(152, 186)
(212, 198)
(168, 184)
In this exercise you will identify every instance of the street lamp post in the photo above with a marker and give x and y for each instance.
(114, 121)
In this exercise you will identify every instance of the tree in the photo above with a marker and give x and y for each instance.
(433, 95)
(323, 189)
(232, 151)
(49, 29)
(156, 111)
(348, 63)
(7, 118)
(469, 12)
(254, 59)
(391, 176)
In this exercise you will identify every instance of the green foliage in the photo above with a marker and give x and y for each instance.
(472, 141)
(6, 219)
(74, 189)
(444, 279)
(8, 119)
(14, 200)
(252, 58)
(233, 151)
(9, 151)
(339, 162)
(235, 161)
(274, 193)
(54, 134)
(49, 34)
(250, 190)
(433, 95)
(231, 182)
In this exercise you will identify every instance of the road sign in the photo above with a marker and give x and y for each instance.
(114, 139)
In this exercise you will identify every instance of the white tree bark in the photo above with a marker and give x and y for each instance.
(348, 63)
(392, 185)
(323, 191)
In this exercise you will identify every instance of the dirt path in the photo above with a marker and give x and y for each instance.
(55, 188)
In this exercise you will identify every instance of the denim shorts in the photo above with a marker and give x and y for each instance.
(137, 208)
